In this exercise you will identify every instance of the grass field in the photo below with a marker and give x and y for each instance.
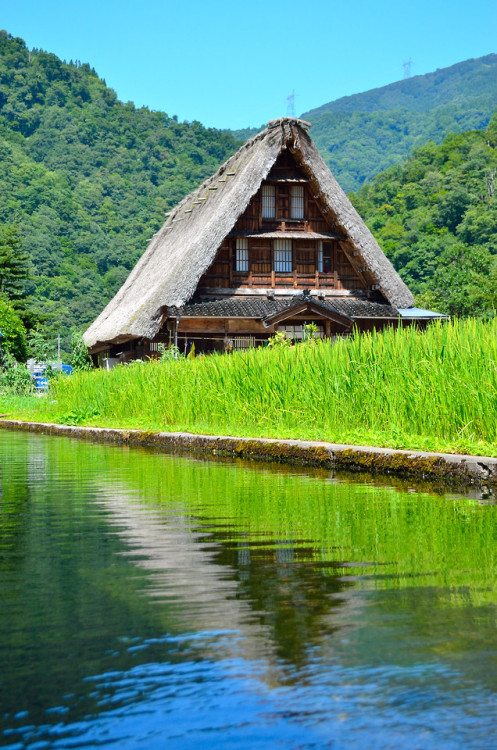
(431, 390)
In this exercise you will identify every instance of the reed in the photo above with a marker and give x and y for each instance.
(434, 388)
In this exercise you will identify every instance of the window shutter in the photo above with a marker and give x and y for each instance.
(297, 202)
(268, 202)
(283, 256)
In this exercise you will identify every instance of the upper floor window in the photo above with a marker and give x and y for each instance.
(283, 256)
(325, 252)
(241, 254)
(268, 202)
(297, 202)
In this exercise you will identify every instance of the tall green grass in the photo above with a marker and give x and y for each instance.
(402, 387)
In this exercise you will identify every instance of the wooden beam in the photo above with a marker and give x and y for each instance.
(309, 307)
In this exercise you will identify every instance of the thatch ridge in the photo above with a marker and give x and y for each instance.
(179, 254)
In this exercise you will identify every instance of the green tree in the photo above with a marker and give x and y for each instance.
(13, 339)
(492, 131)
(41, 345)
(14, 262)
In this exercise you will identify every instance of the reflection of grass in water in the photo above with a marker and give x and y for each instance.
(402, 538)
(402, 388)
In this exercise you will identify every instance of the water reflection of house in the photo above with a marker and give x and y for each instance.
(268, 243)
(276, 605)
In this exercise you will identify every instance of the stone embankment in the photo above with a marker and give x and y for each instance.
(448, 467)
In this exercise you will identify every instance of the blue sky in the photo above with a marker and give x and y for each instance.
(233, 64)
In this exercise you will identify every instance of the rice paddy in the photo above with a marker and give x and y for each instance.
(403, 388)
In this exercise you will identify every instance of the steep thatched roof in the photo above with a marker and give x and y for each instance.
(178, 255)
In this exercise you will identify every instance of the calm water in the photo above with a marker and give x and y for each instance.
(152, 601)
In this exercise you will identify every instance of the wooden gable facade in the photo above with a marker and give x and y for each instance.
(282, 241)
(273, 272)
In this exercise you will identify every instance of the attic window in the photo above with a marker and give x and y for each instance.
(297, 202)
(268, 202)
(283, 256)
(241, 255)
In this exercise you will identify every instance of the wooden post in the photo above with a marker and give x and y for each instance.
(272, 279)
(176, 324)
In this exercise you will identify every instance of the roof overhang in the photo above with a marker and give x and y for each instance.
(288, 234)
(101, 346)
(309, 306)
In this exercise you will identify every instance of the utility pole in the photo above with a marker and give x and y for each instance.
(407, 68)
(290, 105)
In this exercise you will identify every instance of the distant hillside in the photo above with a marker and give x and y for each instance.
(435, 216)
(87, 178)
(361, 135)
(474, 79)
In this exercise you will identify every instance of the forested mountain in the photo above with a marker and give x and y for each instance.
(436, 218)
(87, 178)
(361, 135)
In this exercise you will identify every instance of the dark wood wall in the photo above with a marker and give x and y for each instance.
(339, 273)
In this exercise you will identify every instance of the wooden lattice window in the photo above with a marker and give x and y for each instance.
(243, 342)
(297, 202)
(241, 254)
(268, 202)
(297, 333)
(283, 256)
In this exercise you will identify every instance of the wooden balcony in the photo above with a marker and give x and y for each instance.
(294, 280)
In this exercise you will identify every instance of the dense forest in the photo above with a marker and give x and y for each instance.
(85, 179)
(435, 217)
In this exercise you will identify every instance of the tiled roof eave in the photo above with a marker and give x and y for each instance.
(265, 309)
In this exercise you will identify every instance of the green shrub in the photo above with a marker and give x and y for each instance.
(80, 359)
(14, 377)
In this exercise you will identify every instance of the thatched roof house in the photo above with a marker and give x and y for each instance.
(266, 242)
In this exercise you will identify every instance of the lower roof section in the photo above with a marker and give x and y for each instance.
(265, 308)
(272, 310)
